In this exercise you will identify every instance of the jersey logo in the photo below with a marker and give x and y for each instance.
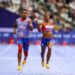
(22, 27)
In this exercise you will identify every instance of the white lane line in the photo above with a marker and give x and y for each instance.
(6, 49)
(8, 58)
(29, 58)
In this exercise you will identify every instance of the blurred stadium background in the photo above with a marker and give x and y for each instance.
(63, 54)
(62, 13)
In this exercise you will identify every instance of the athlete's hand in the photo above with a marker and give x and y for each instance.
(30, 25)
(30, 22)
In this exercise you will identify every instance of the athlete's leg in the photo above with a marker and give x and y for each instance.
(25, 57)
(48, 53)
(19, 56)
(19, 53)
(43, 52)
(26, 48)
(43, 47)
(25, 54)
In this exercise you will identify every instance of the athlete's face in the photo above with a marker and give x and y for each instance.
(24, 13)
(47, 16)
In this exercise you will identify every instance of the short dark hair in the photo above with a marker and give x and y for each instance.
(46, 13)
(24, 10)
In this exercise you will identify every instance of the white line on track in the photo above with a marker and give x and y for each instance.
(8, 58)
(6, 49)
(11, 58)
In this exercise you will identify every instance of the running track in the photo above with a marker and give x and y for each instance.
(62, 61)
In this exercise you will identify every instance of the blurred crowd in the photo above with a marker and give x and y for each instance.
(11, 5)
(62, 12)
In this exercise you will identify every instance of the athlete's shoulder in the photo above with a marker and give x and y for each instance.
(28, 18)
(18, 19)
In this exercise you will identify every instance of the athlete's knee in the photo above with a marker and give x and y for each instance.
(50, 45)
(49, 50)
(19, 48)
(26, 53)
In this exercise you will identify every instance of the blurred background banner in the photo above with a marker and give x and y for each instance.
(62, 12)
(7, 36)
